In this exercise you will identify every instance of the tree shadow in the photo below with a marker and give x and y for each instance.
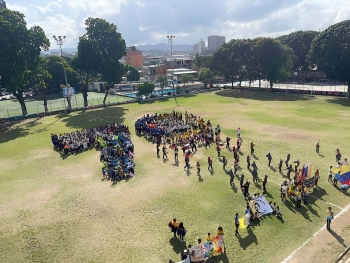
(255, 94)
(177, 245)
(92, 118)
(12, 130)
(339, 101)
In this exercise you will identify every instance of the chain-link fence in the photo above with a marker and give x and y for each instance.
(12, 108)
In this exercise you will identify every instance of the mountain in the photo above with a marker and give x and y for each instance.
(162, 46)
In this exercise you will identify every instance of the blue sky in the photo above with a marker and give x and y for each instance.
(149, 21)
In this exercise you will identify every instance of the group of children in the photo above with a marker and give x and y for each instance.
(117, 152)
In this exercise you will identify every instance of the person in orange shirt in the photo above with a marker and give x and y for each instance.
(173, 226)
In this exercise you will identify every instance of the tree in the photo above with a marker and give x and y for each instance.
(330, 51)
(185, 78)
(300, 42)
(206, 75)
(198, 62)
(42, 87)
(132, 74)
(20, 53)
(162, 80)
(145, 88)
(87, 62)
(53, 64)
(270, 58)
(231, 59)
(99, 51)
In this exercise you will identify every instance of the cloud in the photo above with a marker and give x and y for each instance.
(149, 21)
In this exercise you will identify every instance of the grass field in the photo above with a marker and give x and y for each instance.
(59, 210)
(10, 108)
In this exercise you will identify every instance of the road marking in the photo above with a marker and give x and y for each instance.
(314, 235)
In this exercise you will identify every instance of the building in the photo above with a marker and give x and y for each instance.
(178, 72)
(195, 49)
(201, 46)
(2, 4)
(134, 57)
(214, 42)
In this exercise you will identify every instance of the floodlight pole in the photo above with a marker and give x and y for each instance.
(170, 40)
(59, 40)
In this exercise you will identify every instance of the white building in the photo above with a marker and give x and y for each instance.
(215, 41)
(195, 49)
(201, 46)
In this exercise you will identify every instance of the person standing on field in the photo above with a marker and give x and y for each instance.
(248, 161)
(239, 132)
(269, 158)
(210, 164)
(330, 174)
(280, 166)
(264, 184)
(198, 166)
(330, 217)
(236, 219)
(318, 147)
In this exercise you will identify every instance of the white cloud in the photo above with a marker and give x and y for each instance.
(149, 21)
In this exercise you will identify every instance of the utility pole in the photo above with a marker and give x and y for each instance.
(170, 40)
(59, 40)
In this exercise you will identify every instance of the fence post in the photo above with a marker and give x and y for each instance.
(51, 106)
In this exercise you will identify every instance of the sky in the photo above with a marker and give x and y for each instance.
(150, 21)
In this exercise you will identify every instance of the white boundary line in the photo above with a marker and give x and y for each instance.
(314, 235)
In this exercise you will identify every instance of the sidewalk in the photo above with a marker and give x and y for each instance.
(326, 246)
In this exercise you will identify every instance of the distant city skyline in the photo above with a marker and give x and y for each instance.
(150, 21)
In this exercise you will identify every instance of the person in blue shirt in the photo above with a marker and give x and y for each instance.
(236, 219)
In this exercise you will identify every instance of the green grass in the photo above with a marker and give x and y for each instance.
(11, 108)
(55, 209)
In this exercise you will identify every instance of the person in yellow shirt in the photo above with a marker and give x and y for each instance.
(208, 237)
(173, 226)
(220, 231)
(330, 216)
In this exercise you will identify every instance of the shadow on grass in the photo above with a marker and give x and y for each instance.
(248, 240)
(92, 118)
(220, 258)
(339, 101)
(13, 130)
(263, 95)
(178, 247)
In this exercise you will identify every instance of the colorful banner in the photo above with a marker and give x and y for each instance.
(307, 171)
(197, 253)
(185, 261)
(344, 172)
(210, 248)
(214, 247)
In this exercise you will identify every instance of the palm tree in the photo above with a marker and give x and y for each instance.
(162, 80)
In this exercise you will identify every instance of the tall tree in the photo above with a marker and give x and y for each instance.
(87, 62)
(198, 62)
(330, 51)
(162, 80)
(43, 77)
(231, 59)
(132, 74)
(53, 64)
(300, 42)
(270, 57)
(206, 75)
(186, 78)
(20, 53)
(145, 88)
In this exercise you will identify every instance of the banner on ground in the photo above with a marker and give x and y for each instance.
(185, 261)
(210, 248)
(260, 205)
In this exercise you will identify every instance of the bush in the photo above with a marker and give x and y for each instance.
(169, 93)
(153, 96)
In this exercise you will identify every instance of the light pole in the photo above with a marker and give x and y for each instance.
(59, 40)
(170, 40)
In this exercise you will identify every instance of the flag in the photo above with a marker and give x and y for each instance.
(344, 174)
(242, 222)
(307, 171)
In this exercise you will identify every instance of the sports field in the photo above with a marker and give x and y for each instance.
(59, 210)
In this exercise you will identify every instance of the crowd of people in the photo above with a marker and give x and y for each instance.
(114, 142)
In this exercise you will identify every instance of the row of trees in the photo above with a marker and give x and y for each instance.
(275, 59)
(23, 69)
